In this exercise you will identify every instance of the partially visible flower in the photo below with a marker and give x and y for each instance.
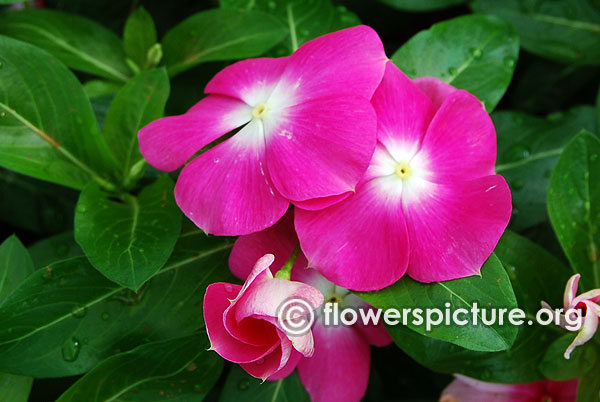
(28, 4)
(587, 304)
(307, 134)
(465, 389)
(430, 203)
(339, 367)
(242, 325)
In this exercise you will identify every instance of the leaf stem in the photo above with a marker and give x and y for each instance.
(292, 26)
(286, 271)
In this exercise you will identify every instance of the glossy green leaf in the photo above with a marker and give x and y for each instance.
(589, 386)
(220, 34)
(15, 265)
(138, 36)
(528, 148)
(422, 5)
(100, 88)
(490, 290)
(473, 52)
(556, 367)
(83, 318)
(240, 386)
(574, 206)
(139, 102)
(80, 43)
(128, 373)
(15, 388)
(53, 249)
(128, 240)
(562, 30)
(47, 127)
(304, 20)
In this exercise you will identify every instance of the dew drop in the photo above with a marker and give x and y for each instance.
(452, 71)
(509, 62)
(81, 209)
(243, 385)
(105, 316)
(70, 349)
(517, 184)
(48, 274)
(228, 288)
(216, 160)
(517, 153)
(304, 32)
(476, 52)
(78, 311)
(2, 114)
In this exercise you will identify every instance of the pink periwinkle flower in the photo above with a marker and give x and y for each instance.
(429, 204)
(587, 304)
(465, 389)
(339, 368)
(307, 133)
(242, 324)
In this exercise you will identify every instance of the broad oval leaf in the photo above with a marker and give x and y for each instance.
(80, 43)
(15, 265)
(128, 240)
(84, 318)
(574, 206)
(422, 5)
(127, 375)
(240, 386)
(562, 30)
(53, 249)
(15, 388)
(138, 36)
(556, 367)
(474, 52)
(491, 290)
(47, 126)
(220, 34)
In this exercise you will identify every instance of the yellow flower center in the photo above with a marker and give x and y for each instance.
(260, 110)
(403, 170)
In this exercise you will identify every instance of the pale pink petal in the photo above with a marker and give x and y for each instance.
(376, 335)
(346, 62)
(311, 276)
(227, 190)
(589, 328)
(436, 89)
(360, 243)
(279, 240)
(321, 148)
(250, 80)
(592, 296)
(288, 368)
(454, 228)
(169, 142)
(570, 291)
(460, 143)
(403, 113)
(464, 389)
(339, 369)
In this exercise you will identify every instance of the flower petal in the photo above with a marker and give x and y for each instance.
(265, 366)
(321, 148)
(339, 368)
(460, 143)
(360, 243)
(570, 291)
(227, 190)
(435, 89)
(290, 366)
(589, 328)
(169, 142)
(251, 81)
(466, 389)
(454, 228)
(374, 334)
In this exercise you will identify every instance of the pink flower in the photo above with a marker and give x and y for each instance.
(307, 134)
(465, 389)
(242, 325)
(339, 367)
(587, 303)
(429, 204)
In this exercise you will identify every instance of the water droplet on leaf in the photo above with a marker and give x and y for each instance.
(243, 385)
(452, 71)
(78, 311)
(476, 52)
(509, 62)
(517, 153)
(70, 349)
(105, 316)
(517, 184)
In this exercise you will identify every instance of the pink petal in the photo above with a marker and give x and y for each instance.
(323, 202)
(339, 369)
(454, 228)
(376, 335)
(266, 366)
(466, 389)
(403, 113)
(460, 143)
(571, 291)
(227, 190)
(589, 328)
(250, 80)
(591, 295)
(436, 89)
(288, 368)
(346, 62)
(562, 391)
(360, 243)
(279, 240)
(321, 148)
(169, 142)
(310, 276)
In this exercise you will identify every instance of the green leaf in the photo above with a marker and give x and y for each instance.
(128, 240)
(422, 5)
(528, 148)
(220, 34)
(83, 318)
(556, 367)
(100, 88)
(305, 20)
(138, 36)
(15, 388)
(474, 52)
(574, 206)
(53, 249)
(490, 290)
(80, 43)
(139, 102)
(47, 127)
(589, 386)
(15, 265)
(126, 373)
(240, 386)
(562, 30)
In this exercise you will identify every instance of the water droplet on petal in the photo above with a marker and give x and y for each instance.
(70, 349)
(228, 288)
